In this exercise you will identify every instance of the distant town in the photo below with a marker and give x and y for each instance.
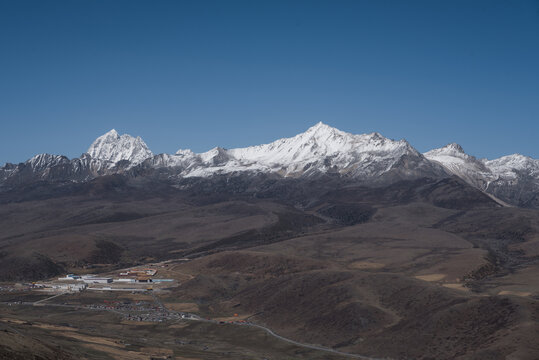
(133, 279)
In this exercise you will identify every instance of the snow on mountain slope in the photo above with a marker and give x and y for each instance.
(512, 178)
(511, 166)
(113, 147)
(320, 149)
(322, 142)
(465, 166)
(454, 159)
(454, 154)
(42, 162)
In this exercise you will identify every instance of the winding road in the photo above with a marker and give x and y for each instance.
(194, 317)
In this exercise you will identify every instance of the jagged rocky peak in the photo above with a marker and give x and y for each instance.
(115, 147)
(44, 160)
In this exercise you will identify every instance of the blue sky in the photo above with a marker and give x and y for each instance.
(199, 74)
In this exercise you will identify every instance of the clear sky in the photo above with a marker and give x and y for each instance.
(198, 74)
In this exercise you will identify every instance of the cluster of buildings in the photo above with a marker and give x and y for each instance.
(65, 286)
(88, 279)
(129, 276)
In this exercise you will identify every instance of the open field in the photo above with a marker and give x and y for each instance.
(414, 270)
(100, 335)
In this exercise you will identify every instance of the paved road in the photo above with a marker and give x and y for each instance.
(309, 346)
(272, 333)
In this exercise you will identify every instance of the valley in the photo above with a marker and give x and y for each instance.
(328, 263)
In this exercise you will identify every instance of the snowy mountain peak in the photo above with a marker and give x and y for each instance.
(453, 147)
(450, 150)
(454, 159)
(323, 148)
(115, 147)
(328, 136)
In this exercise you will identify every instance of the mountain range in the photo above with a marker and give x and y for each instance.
(321, 150)
(357, 243)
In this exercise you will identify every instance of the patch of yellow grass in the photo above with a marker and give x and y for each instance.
(15, 321)
(431, 277)
(93, 339)
(116, 353)
(456, 286)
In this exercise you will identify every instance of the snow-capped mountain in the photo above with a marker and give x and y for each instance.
(322, 149)
(112, 147)
(108, 154)
(512, 178)
(465, 166)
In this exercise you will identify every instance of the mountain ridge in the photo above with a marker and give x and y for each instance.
(321, 149)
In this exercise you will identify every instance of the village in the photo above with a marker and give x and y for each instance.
(138, 283)
(136, 295)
